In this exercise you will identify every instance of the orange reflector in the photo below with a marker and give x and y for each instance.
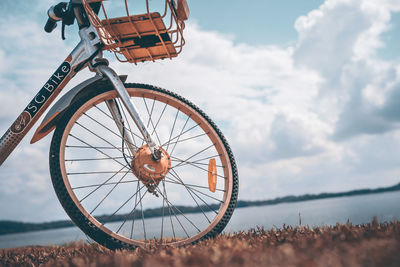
(212, 175)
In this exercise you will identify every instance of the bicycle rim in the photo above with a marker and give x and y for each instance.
(92, 172)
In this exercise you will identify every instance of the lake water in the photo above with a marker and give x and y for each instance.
(356, 209)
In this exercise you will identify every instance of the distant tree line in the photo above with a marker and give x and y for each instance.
(306, 197)
(8, 227)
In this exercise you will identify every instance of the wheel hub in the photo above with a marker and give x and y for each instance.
(150, 171)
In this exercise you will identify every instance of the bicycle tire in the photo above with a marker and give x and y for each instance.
(97, 227)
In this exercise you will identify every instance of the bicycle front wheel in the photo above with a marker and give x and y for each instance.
(94, 176)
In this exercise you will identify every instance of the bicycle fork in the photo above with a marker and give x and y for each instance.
(156, 152)
(114, 110)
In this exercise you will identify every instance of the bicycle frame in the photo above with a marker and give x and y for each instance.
(86, 54)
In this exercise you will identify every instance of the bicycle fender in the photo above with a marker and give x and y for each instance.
(50, 121)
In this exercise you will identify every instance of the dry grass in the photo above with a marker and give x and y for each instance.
(371, 244)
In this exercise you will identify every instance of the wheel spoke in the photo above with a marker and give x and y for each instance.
(142, 211)
(171, 180)
(162, 214)
(94, 172)
(173, 128)
(169, 211)
(176, 217)
(98, 186)
(177, 209)
(97, 149)
(191, 194)
(131, 213)
(115, 212)
(105, 127)
(127, 121)
(102, 138)
(193, 191)
(93, 159)
(159, 119)
(99, 176)
(134, 214)
(187, 139)
(94, 147)
(180, 134)
(138, 136)
(112, 183)
(192, 185)
(196, 162)
(194, 155)
(150, 118)
(109, 192)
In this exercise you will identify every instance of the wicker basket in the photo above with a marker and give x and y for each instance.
(144, 37)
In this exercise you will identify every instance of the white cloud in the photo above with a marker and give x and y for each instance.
(241, 86)
(340, 40)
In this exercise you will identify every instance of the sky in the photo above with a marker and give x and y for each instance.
(306, 92)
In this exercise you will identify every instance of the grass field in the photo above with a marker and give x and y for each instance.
(372, 244)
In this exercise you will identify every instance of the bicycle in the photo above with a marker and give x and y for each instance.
(133, 165)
